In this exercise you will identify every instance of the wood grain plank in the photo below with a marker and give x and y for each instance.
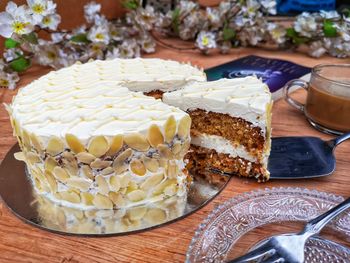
(20, 242)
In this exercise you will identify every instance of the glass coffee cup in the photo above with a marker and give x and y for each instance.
(327, 106)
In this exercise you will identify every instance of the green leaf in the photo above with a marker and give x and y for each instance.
(131, 4)
(80, 38)
(228, 33)
(294, 35)
(175, 20)
(290, 32)
(11, 43)
(328, 29)
(31, 38)
(20, 64)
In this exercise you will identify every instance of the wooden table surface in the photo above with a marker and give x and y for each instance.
(20, 242)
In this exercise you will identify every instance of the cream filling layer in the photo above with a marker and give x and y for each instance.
(221, 145)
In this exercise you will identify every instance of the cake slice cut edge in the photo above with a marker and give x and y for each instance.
(231, 125)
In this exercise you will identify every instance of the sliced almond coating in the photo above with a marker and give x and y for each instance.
(114, 182)
(152, 181)
(61, 218)
(117, 199)
(136, 195)
(102, 184)
(70, 196)
(184, 127)
(60, 174)
(54, 146)
(155, 136)
(85, 157)
(163, 162)
(136, 213)
(102, 202)
(38, 185)
(32, 157)
(159, 189)
(87, 198)
(170, 190)
(137, 141)
(137, 167)
(36, 143)
(185, 147)
(51, 181)
(50, 164)
(74, 144)
(172, 169)
(26, 139)
(132, 186)
(165, 152)
(124, 180)
(19, 156)
(116, 145)
(170, 129)
(119, 163)
(71, 166)
(155, 216)
(107, 170)
(98, 146)
(151, 164)
(99, 164)
(80, 183)
(87, 172)
(176, 148)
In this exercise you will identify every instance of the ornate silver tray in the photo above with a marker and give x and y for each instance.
(17, 192)
(231, 229)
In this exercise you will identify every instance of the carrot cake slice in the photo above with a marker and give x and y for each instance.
(231, 125)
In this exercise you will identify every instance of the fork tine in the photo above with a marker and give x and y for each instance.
(260, 251)
(273, 259)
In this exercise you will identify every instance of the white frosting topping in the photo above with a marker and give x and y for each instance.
(245, 98)
(93, 99)
(221, 145)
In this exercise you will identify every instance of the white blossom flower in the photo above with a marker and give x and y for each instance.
(50, 21)
(317, 49)
(148, 45)
(15, 20)
(305, 24)
(145, 17)
(251, 8)
(12, 53)
(112, 54)
(91, 10)
(96, 50)
(214, 17)
(40, 9)
(270, 6)
(57, 37)
(205, 41)
(8, 80)
(224, 7)
(99, 34)
(277, 32)
(47, 54)
(187, 7)
(329, 14)
(116, 33)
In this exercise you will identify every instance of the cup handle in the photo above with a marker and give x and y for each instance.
(295, 82)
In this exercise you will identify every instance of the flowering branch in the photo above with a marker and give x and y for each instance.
(233, 23)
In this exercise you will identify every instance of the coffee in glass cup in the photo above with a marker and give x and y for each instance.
(327, 106)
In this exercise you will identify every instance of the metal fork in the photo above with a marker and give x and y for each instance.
(290, 247)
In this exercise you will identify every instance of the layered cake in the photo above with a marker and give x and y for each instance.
(231, 123)
(96, 136)
(89, 141)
